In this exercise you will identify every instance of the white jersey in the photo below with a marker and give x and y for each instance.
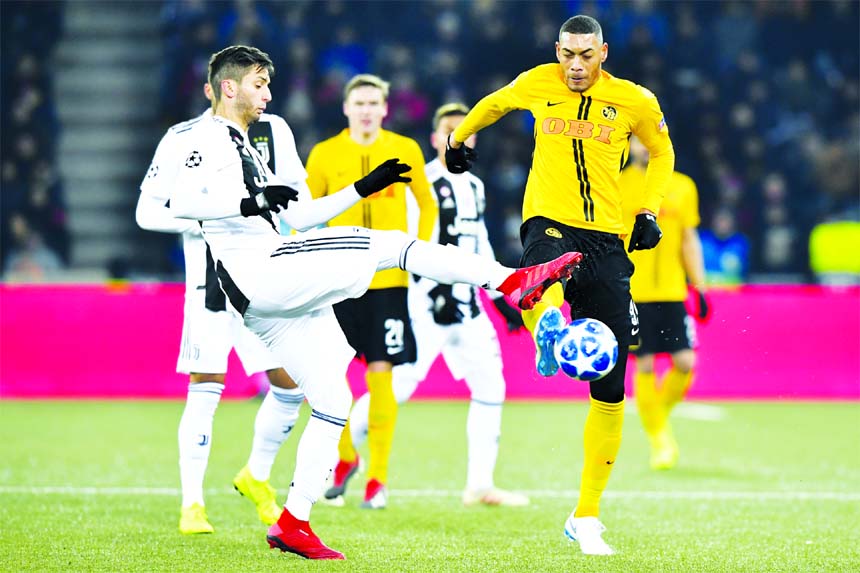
(153, 211)
(220, 166)
(461, 202)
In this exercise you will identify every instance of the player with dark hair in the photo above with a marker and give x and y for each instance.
(659, 287)
(377, 324)
(209, 332)
(284, 286)
(450, 320)
(584, 117)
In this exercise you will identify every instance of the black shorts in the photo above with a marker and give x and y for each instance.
(664, 327)
(377, 325)
(600, 285)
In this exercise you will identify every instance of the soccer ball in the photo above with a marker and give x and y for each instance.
(586, 349)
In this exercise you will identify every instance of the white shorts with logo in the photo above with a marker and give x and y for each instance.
(208, 337)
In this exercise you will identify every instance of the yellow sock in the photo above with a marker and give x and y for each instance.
(675, 386)
(650, 404)
(381, 421)
(554, 296)
(602, 440)
(345, 448)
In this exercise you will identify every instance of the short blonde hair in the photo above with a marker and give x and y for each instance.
(448, 109)
(362, 80)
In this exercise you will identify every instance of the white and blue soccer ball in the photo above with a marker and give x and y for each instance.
(586, 349)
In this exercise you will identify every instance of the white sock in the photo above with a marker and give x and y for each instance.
(315, 459)
(275, 419)
(449, 264)
(483, 429)
(195, 438)
(359, 418)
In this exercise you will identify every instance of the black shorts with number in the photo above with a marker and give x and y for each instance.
(377, 325)
(664, 327)
(600, 285)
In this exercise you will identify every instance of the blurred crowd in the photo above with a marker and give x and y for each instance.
(765, 122)
(34, 239)
(762, 99)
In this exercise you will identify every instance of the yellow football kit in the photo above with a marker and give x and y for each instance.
(581, 140)
(339, 161)
(660, 274)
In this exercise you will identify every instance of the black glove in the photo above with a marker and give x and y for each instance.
(384, 175)
(512, 315)
(646, 233)
(446, 308)
(460, 159)
(703, 307)
(272, 198)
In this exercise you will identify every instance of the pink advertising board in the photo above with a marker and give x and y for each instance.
(121, 341)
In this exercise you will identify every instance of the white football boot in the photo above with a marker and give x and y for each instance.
(588, 532)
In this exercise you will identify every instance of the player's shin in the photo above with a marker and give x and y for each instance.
(315, 458)
(675, 386)
(195, 438)
(275, 420)
(649, 404)
(382, 419)
(449, 264)
(483, 429)
(602, 440)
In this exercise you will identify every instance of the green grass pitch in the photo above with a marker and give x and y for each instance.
(93, 486)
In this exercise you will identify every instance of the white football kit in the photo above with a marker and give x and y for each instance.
(470, 347)
(208, 332)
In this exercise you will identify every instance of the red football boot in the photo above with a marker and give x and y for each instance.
(375, 495)
(343, 471)
(295, 536)
(527, 285)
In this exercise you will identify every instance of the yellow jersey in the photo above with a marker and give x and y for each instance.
(660, 274)
(340, 161)
(581, 140)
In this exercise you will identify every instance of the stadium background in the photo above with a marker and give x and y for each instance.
(767, 125)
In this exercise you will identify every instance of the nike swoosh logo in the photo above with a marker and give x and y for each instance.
(549, 104)
(634, 332)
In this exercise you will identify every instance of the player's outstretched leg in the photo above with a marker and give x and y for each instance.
(588, 531)
(546, 331)
(296, 536)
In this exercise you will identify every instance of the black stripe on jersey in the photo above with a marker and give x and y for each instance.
(447, 214)
(239, 301)
(297, 248)
(259, 132)
(581, 169)
(251, 172)
(324, 244)
(349, 239)
(215, 299)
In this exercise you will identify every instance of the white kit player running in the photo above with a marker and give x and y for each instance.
(209, 332)
(448, 319)
(285, 286)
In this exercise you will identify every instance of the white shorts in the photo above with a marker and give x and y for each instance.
(316, 354)
(319, 268)
(208, 337)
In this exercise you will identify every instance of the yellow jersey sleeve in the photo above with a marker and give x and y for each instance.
(495, 106)
(652, 131)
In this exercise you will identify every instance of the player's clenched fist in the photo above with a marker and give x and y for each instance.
(384, 175)
(460, 159)
(272, 198)
(646, 233)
